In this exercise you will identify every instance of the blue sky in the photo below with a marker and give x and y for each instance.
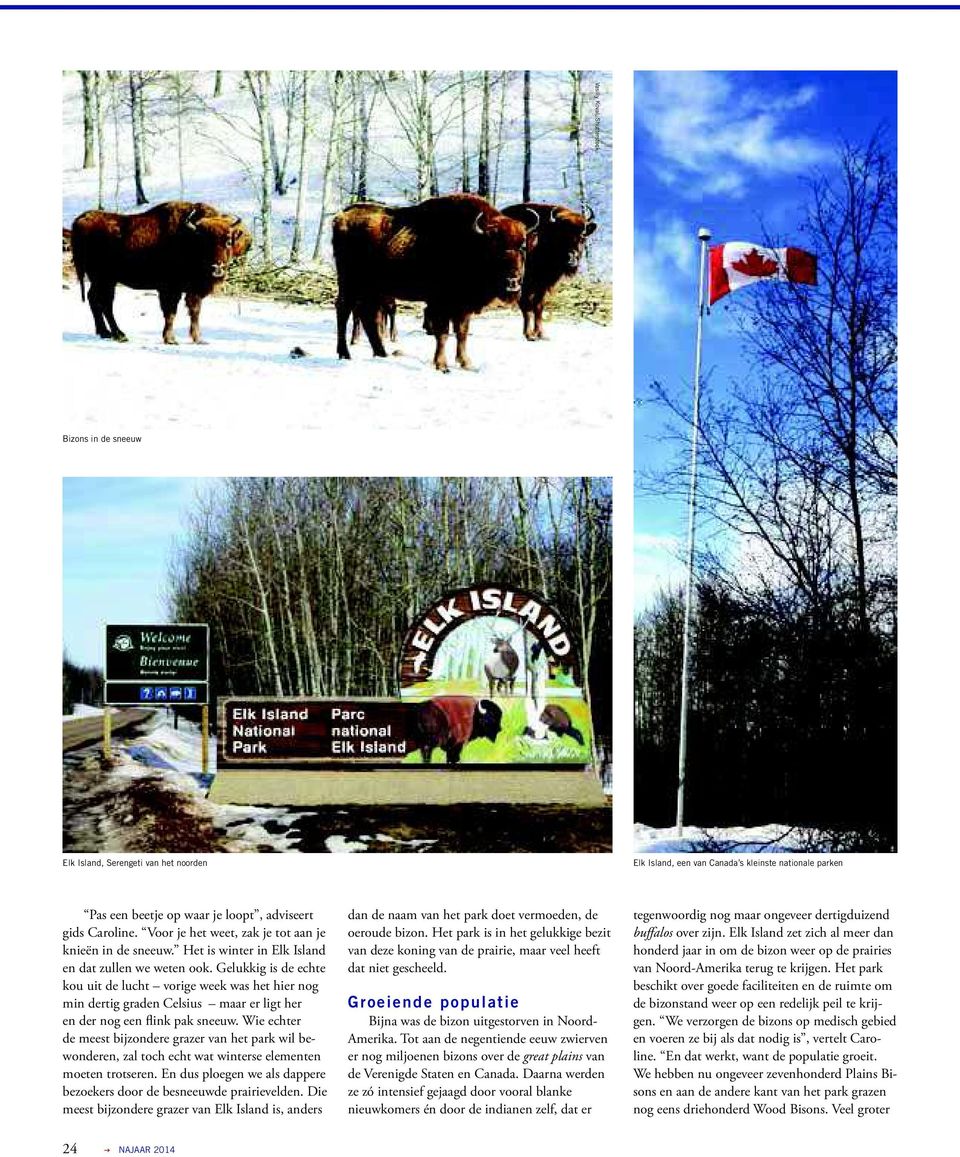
(117, 538)
(730, 151)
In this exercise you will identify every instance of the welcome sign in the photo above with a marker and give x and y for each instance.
(157, 663)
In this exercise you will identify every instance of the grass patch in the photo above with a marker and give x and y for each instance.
(512, 746)
(575, 298)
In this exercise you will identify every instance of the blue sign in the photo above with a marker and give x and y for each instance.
(146, 692)
(176, 692)
(161, 693)
(190, 693)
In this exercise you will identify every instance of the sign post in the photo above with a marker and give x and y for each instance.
(491, 709)
(204, 738)
(158, 664)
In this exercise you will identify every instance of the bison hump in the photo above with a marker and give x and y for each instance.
(458, 711)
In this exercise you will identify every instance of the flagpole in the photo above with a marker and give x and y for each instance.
(703, 236)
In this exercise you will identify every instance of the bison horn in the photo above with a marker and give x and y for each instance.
(235, 222)
(588, 213)
(478, 224)
(536, 219)
(191, 219)
(553, 214)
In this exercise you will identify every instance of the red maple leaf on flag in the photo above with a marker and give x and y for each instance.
(753, 265)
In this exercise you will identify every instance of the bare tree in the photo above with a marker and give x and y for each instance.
(464, 153)
(304, 169)
(331, 161)
(483, 155)
(88, 82)
(259, 85)
(527, 147)
(135, 87)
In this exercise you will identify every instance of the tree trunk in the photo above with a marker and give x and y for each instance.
(264, 606)
(304, 170)
(527, 146)
(483, 158)
(217, 84)
(100, 111)
(259, 91)
(464, 156)
(333, 146)
(135, 125)
(576, 135)
(88, 80)
(365, 115)
(501, 117)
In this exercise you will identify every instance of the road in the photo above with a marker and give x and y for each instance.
(89, 728)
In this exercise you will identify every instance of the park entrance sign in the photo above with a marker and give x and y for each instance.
(490, 708)
(165, 664)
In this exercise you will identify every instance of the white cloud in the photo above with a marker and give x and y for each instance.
(706, 124)
(665, 260)
(657, 566)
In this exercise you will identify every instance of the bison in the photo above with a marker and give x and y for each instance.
(178, 248)
(450, 721)
(501, 670)
(556, 254)
(455, 253)
(554, 719)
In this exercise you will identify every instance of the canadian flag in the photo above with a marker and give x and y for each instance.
(739, 263)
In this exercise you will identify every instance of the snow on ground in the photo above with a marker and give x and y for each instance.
(767, 838)
(246, 377)
(175, 755)
(82, 710)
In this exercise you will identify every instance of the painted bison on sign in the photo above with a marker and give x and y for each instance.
(178, 248)
(450, 721)
(456, 254)
(560, 239)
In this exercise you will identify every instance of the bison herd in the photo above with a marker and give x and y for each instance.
(457, 254)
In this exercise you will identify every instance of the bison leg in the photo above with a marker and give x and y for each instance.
(439, 331)
(426, 752)
(392, 317)
(105, 295)
(355, 334)
(194, 301)
(169, 300)
(344, 309)
(463, 329)
(538, 321)
(370, 317)
(93, 300)
(453, 751)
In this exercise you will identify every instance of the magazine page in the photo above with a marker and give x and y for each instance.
(470, 486)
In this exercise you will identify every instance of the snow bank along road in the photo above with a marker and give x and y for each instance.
(245, 375)
(89, 728)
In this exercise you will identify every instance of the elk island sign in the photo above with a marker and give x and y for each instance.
(490, 707)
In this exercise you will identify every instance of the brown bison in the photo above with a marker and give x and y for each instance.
(455, 253)
(179, 248)
(556, 254)
(450, 721)
(559, 722)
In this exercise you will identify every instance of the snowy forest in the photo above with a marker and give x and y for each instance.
(309, 584)
(287, 150)
(793, 690)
